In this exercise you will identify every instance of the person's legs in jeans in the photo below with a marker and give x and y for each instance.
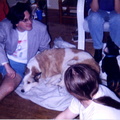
(115, 27)
(96, 26)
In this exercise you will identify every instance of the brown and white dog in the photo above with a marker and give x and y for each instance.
(51, 65)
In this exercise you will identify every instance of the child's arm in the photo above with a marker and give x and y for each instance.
(67, 114)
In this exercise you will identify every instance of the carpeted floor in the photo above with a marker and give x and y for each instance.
(66, 32)
(61, 30)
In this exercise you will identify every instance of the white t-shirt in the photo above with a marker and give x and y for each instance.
(20, 54)
(95, 110)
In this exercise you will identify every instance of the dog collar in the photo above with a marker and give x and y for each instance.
(110, 55)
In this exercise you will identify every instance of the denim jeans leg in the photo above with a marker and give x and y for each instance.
(115, 27)
(95, 23)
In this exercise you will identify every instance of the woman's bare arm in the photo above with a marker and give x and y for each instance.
(117, 6)
(94, 5)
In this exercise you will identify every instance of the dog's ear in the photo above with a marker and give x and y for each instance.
(27, 70)
(111, 47)
(37, 77)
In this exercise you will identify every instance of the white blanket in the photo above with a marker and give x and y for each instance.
(51, 97)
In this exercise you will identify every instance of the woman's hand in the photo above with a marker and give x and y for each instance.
(10, 72)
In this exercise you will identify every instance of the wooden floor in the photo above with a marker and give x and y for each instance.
(15, 107)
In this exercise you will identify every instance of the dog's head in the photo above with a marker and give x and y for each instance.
(111, 48)
(32, 75)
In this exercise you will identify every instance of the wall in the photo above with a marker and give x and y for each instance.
(52, 4)
(13, 2)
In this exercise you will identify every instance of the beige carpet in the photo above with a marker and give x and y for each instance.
(60, 30)
(66, 32)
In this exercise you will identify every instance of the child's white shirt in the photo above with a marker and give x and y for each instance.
(95, 110)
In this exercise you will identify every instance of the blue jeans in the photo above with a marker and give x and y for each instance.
(95, 23)
(18, 67)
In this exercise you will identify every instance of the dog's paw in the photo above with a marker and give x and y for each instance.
(54, 79)
(61, 83)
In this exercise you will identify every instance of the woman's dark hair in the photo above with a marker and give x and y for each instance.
(82, 81)
(16, 13)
